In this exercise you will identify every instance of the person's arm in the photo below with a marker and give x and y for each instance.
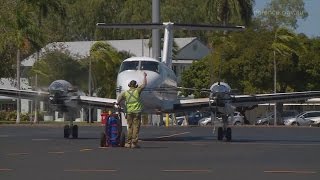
(143, 85)
(120, 98)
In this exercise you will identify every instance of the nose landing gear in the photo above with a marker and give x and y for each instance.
(70, 130)
(225, 131)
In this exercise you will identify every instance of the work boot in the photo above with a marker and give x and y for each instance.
(135, 145)
(127, 145)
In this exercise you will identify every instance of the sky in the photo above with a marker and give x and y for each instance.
(310, 26)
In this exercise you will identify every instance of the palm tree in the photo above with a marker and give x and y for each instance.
(44, 6)
(285, 43)
(26, 37)
(226, 12)
(229, 11)
(105, 64)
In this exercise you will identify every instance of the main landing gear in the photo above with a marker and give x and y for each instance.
(70, 130)
(224, 131)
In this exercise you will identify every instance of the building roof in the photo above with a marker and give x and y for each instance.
(11, 83)
(138, 47)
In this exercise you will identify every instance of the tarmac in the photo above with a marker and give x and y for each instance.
(41, 152)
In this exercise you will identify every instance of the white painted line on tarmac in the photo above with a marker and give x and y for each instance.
(40, 139)
(291, 171)
(90, 170)
(17, 154)
(188, 170)
(3, 136)
(86, 149)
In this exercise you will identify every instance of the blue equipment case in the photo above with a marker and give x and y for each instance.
(113, 136)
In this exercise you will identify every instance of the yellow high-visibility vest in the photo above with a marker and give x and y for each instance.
(133, 103)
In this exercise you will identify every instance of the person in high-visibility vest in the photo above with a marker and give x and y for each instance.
(134, 108)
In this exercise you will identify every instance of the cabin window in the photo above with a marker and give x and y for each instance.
(129, 65)
(150, 66)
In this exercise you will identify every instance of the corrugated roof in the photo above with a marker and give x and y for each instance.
(138, 47)
(11, 83)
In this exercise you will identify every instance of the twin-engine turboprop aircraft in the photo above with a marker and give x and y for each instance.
(160, 93)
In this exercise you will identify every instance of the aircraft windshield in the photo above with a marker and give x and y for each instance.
(150, 66)
(129, 65)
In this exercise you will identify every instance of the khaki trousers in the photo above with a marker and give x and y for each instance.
(134, 122)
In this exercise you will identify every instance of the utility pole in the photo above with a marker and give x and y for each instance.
(156, 32)
(18, 87)
(275, 85)
(89, 88)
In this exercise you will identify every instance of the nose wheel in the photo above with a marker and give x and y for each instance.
(227, 133)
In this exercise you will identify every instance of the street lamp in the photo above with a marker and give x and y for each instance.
(275, 85)
(89, 88)
(18, 87)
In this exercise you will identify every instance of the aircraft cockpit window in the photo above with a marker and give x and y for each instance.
(129, 65)
(150, 66)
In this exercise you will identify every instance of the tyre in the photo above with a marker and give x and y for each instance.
(238, 123)
(66, 131)
(220, 134)
(295, 124)
(75, 131)
(103, 140)
(266, 123)
(228, 134)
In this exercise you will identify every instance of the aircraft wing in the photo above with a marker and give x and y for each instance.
(24, 94)
(191, 104)
(97, 102)
(246, 100)
(250, 100)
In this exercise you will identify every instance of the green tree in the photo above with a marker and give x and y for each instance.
(286, 44)
(229, 11)
(283, 13)
(197, 77)
(105, 65)
(56, 65)
(43, 7)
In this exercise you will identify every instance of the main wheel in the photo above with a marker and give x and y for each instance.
(228, 134)
(75, 131)
(66, 131)
(103, 140)
(220, 134)
(295, 124)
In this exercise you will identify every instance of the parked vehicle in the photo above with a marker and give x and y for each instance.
(303, 119)
(268, 119)
(192, 117)
(238, 119)
(315, 122)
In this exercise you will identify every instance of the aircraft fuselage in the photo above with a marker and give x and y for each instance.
(160, 92)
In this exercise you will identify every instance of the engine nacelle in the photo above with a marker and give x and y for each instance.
(220, 87)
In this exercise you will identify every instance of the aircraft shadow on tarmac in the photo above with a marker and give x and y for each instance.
(275, 141)
(188, 138)
(235, 140)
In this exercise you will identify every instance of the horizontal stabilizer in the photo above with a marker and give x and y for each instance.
(174, 26)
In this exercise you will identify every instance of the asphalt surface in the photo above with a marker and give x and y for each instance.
(41, 152)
